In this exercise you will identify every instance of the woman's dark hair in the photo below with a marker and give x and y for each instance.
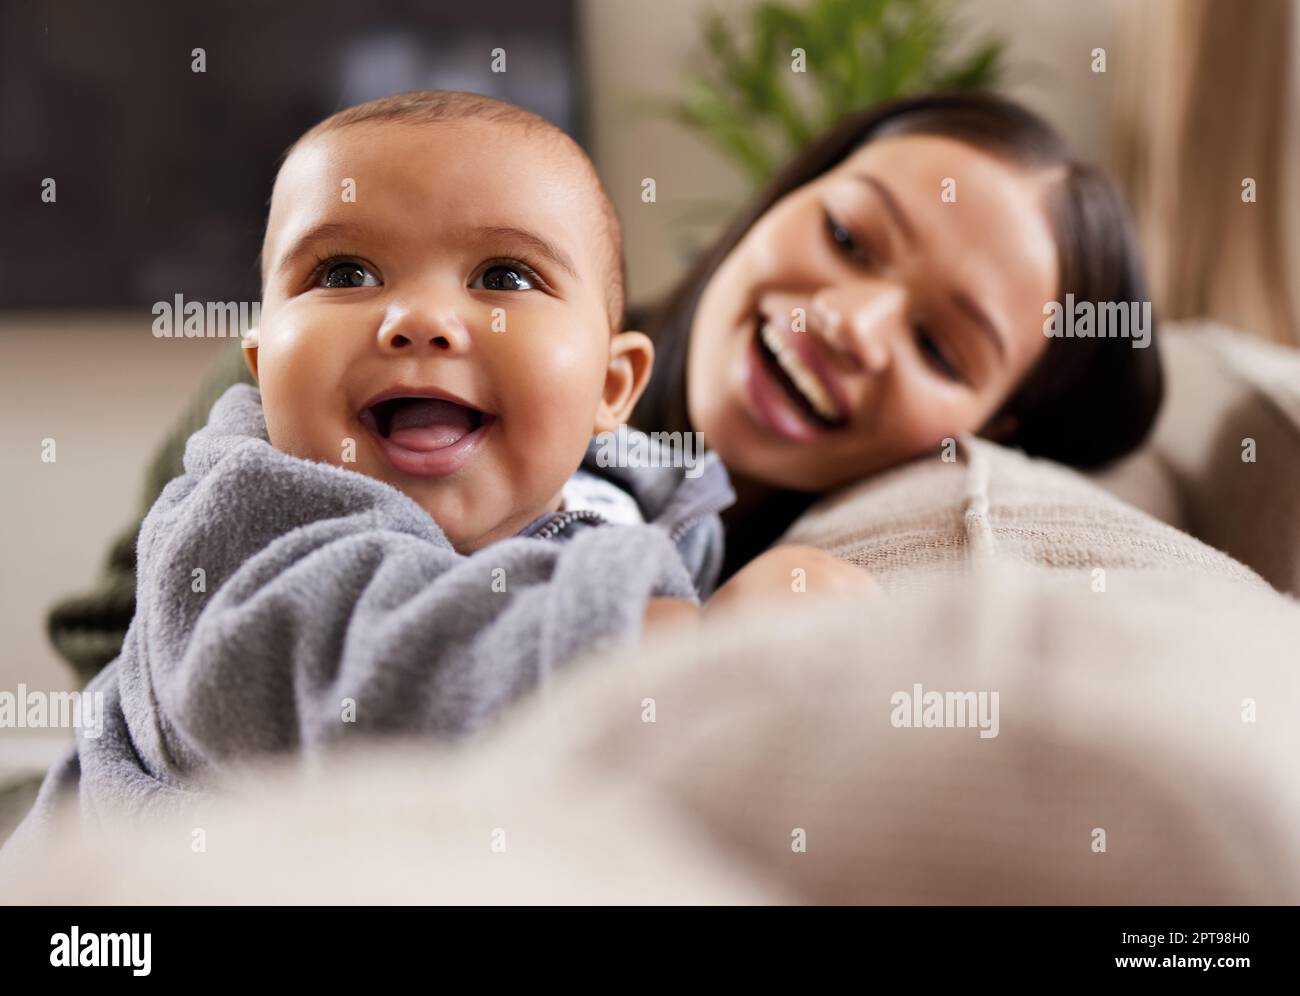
(1087, 401)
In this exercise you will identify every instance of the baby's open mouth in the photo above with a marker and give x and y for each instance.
(425, 433)
(423, 424)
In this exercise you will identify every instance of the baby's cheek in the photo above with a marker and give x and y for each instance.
(548, 409)
(297, 363)
(302, 422)
(291, 432)
(558, 383)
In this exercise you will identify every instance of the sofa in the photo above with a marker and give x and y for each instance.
(1140, 627)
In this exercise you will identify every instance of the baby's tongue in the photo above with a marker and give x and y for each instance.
(429, 423)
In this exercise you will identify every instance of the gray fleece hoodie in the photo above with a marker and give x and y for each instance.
(335, 607)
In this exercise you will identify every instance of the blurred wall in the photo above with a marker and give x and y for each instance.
(105, 391)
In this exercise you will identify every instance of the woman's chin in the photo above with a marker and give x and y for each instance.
(748, 452)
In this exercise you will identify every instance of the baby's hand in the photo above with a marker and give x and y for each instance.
(787, 573)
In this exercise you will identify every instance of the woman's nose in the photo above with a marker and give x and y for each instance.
(429, 328)
(862, 320)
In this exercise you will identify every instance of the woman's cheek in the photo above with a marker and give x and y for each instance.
(928, 418)
(788, 247)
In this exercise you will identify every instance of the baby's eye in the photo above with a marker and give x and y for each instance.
(503, 277)
(347, 273)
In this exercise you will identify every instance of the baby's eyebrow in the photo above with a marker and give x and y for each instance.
(342, 230)
(323, 232)
(532, 241)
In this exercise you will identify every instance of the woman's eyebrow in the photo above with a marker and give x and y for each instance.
(891, 204)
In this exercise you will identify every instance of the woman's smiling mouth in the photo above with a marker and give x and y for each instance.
(788, 397)
(425, 433)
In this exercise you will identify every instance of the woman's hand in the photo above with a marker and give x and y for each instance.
(787, 573)
(779, 576)
(669, 613)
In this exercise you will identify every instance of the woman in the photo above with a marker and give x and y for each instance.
(884, 292)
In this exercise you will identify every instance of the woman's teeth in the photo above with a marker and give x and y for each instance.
(802, 378)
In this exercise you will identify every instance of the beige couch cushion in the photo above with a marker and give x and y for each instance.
(1223, 389)
(934, 517)
(1121, 711)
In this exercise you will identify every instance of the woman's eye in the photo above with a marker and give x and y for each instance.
(936, 356)
(845, 242)
(839, 234)
(503, 278)
(347, 273)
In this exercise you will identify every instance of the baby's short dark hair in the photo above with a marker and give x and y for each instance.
(431, 106)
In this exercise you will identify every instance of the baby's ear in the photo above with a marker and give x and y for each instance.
(249, 345)
(631, 358)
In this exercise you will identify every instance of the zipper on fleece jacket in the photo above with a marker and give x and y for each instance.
(698, 507)
(563, 519)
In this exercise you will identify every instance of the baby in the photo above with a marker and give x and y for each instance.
(404, 528)
(442, 284)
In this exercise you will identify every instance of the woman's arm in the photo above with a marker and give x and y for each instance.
(776, 577)
(788, 573)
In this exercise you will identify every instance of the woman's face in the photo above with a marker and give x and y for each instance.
(892, 302)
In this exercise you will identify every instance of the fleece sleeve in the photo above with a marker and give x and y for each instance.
(287, 605)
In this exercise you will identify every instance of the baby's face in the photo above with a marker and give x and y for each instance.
(446, 330)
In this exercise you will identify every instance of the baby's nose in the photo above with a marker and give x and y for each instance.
(405, 330)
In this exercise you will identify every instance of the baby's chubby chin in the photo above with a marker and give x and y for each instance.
(449, 499)
(469, 506)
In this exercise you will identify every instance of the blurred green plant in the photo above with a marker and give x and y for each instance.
(753, 105)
